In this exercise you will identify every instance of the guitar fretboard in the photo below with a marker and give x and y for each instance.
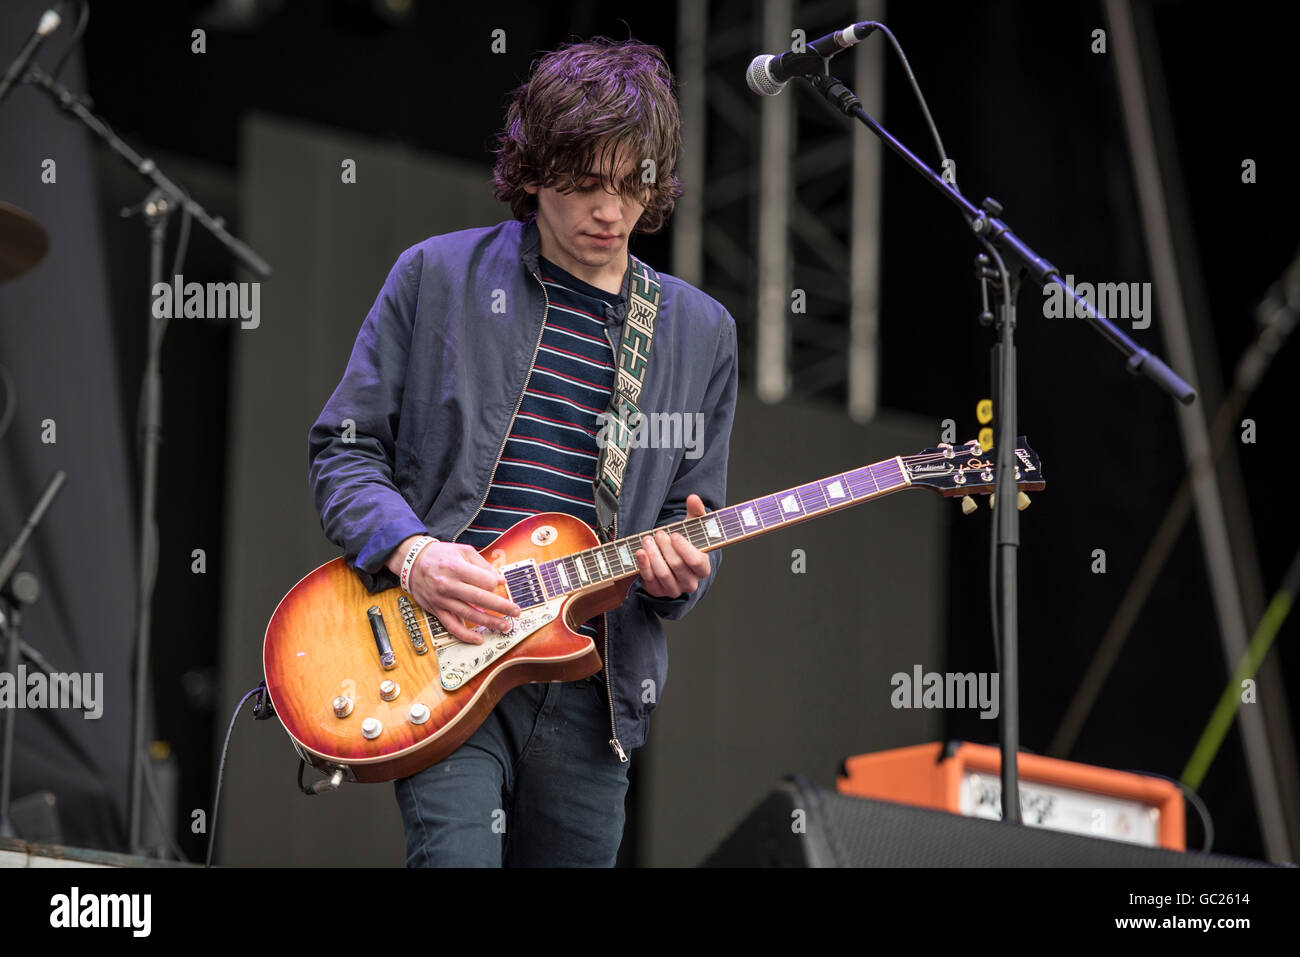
(614, 560)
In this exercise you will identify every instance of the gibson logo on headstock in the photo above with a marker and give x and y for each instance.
(1024, 457)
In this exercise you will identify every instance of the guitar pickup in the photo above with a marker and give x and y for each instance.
(385, 646)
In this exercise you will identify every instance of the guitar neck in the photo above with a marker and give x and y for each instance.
(613, 561)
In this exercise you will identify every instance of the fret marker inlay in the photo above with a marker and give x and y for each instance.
(748, 516)
(790, 503)
(836, 490)
(711, 526)
(626, 556)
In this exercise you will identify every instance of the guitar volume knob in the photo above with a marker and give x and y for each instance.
(390, 689)
(371, 728)
(419, 713)
(342, 706)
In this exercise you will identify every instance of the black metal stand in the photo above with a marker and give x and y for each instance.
(18, 589)
(164, 197)
(997, 238)
(156, 210)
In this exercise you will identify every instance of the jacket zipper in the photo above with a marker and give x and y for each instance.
(604, 617)
(614, 744)
(509, 422)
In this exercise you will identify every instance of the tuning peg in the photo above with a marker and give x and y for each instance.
(1022, 501)
(968, 505)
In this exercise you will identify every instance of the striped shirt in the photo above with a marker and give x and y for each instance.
(548, 463)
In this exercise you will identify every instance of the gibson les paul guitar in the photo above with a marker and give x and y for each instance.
(372, 686)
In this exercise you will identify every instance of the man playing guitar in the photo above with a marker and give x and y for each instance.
(474, 398)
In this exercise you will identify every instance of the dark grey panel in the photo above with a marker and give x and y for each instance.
(56, 342)
(331, 245)
(778, 671)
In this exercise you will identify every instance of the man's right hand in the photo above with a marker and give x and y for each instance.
(458, 585)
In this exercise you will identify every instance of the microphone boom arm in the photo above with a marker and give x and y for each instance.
(984, 223)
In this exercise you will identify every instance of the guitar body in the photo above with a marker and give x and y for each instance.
(371, 685)
(320, 645)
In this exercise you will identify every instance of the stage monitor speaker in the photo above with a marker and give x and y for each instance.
(801, 824)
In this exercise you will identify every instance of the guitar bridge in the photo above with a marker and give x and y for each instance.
(407, 611)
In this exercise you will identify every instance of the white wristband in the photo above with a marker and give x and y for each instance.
(412, 554)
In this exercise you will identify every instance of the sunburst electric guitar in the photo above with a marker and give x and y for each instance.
(371, 685)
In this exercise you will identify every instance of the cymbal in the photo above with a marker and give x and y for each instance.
(23, 241)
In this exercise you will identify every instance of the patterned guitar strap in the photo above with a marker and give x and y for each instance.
(623, 412)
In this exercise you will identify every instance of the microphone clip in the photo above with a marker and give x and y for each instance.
(839, 95)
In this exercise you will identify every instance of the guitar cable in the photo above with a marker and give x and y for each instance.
(330, 783)
(263, 704)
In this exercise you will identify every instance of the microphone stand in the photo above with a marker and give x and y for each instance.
(17, 590)
(998, 239)
(164, 196)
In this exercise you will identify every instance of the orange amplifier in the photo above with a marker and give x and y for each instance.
(1058, 795)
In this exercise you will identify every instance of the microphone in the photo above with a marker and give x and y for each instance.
(767, 74)
(49, 23)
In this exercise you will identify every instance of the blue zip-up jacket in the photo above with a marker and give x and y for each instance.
(409, 441)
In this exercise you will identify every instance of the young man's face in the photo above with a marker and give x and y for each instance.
(586, 231)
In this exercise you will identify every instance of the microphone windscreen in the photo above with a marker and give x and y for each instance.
(760, 79)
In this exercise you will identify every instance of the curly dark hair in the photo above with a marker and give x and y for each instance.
(604, 97)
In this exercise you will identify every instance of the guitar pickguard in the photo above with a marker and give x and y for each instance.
(459, 661)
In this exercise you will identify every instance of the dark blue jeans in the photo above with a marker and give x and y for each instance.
(536, 785)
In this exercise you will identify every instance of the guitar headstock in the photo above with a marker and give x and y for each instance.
(954, 470)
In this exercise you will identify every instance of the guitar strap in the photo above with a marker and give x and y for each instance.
(623, 413)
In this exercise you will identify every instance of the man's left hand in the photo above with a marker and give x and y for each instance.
(671, 566)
